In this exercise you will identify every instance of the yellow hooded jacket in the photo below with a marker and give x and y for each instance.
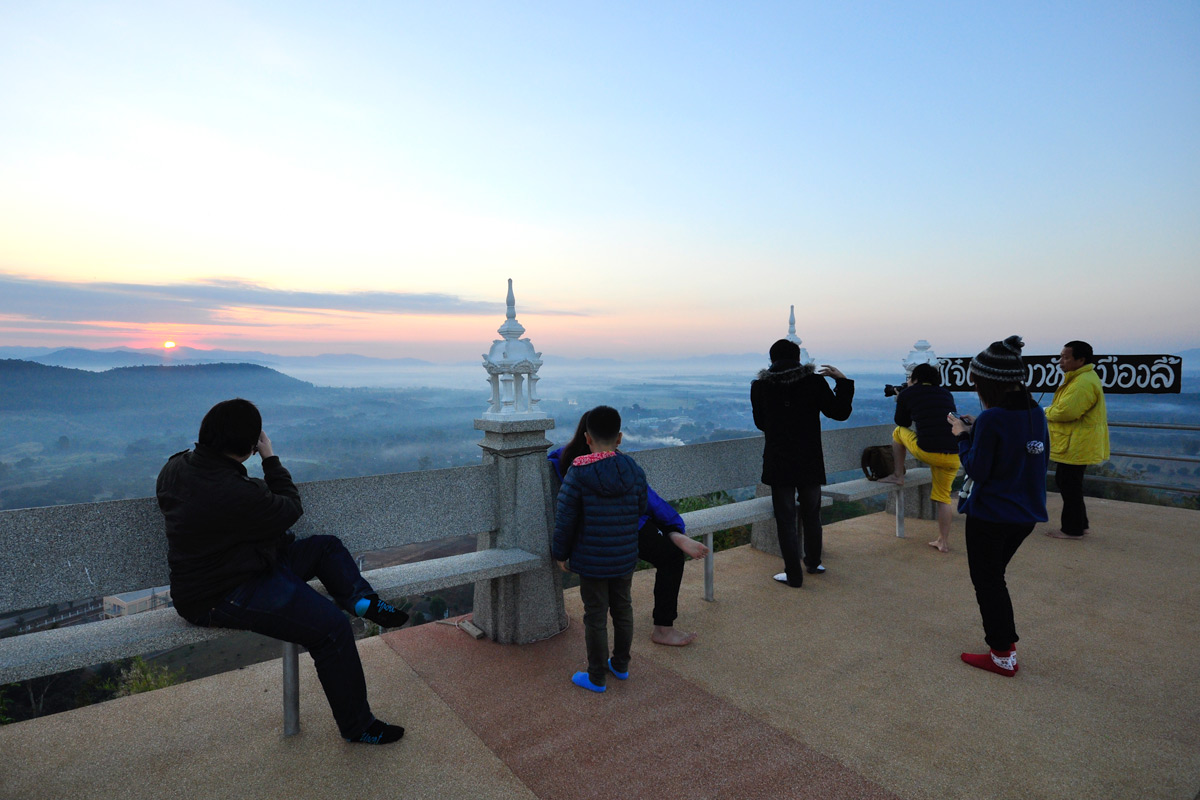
(1078, 419)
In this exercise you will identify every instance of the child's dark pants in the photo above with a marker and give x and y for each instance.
(602, 596)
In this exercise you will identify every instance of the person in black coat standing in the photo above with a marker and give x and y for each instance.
(788, 399)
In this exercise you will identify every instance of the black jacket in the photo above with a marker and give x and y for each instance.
(927, 405)
(223, 527)
(788, 400)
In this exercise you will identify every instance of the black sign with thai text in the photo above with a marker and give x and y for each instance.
(1118, 374)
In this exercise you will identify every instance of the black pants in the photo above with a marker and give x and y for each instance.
(657, 548)
(1069, 480)
(282, 605)
(785, 500)
(601, 597)
(990, 546)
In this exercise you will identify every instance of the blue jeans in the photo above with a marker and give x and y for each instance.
(282, 605)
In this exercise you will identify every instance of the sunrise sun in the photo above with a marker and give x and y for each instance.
(168, 345)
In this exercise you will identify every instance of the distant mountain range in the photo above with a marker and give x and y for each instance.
(26, 385)
(109, 358)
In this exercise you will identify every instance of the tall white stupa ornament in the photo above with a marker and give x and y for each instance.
(921, 353)
(512, 366)
(805, 358)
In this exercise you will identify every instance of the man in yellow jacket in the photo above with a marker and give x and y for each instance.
(1078, 423)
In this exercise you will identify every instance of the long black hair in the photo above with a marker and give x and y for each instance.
(578, 446)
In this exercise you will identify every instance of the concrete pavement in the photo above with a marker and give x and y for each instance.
(848, 687)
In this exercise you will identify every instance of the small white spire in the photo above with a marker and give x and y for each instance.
(512, 366)
(805, 358)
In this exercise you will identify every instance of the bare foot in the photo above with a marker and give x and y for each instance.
(690, 547)
(1058, 534)
(671, 637)
(896, 479)
(940, 545)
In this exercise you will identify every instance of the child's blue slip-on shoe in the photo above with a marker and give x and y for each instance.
(618, 675)
(583, 681)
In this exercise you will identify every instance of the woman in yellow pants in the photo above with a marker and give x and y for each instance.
(924, 404)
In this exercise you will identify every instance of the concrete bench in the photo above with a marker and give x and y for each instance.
(699, 469)
(418, 577)
(862, 488)
(678, 472)
(707, 521)
(68, 553)
(843, 452)
(47, 652)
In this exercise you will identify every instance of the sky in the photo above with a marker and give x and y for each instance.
(658, 179)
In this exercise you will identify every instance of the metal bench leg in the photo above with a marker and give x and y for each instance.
(708, 568)
(900, 513)
(291, 689)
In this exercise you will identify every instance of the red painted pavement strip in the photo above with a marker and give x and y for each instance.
(655, 735)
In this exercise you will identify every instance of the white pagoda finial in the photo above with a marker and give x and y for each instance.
(922, 353)
(511, 329)
(805, 358)
(512, 366)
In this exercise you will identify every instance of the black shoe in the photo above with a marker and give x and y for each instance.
(782, 578)
(384, 614)
(819, 569)
(379, 733)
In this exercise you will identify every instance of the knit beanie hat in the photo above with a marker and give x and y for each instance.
(783, 350)
(1001, 361)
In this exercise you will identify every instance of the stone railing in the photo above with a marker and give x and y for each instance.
(71, 553)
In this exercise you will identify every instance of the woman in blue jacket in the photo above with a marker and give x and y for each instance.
(1005, 452)
(662, 541)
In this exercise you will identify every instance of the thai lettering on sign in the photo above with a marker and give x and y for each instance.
(1140, 374)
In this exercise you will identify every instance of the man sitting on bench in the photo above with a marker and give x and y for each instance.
(234, 564)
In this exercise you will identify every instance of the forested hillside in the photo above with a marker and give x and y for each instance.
(29, 386)
(71, 436)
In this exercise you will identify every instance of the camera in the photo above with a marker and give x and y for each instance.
(891, 390)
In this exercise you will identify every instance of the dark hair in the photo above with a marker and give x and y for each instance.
(927, 373)
(992, 392)
(575, 448)
(231, 426)
(783, 350)
(1081, 350)
(604, 424)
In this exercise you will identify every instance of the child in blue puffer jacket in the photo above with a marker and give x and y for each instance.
(603, 496)
(662, 541)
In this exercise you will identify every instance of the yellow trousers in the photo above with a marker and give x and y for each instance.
(942, 466)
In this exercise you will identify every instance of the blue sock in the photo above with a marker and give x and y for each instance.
(362, 606)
